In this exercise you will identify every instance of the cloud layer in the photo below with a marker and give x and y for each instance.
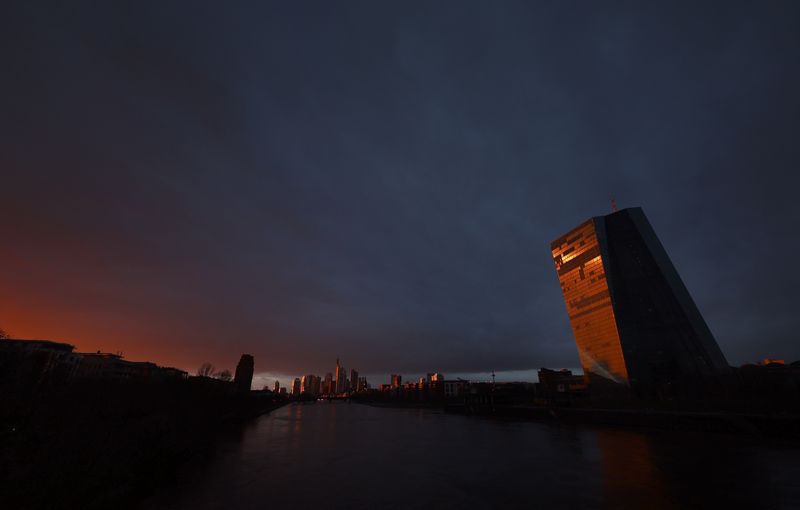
(381, 182)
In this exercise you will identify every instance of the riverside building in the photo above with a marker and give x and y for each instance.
(636, 327)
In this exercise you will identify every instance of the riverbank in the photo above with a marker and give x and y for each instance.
(779, 426)
(400, 405)
(108, 445)
(766, 425)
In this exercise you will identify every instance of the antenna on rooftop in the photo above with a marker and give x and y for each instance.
(613, 205)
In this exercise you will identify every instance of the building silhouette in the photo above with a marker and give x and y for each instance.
(243, 378)
(341, 378)
(635, 325)
(296, 387)
(397, 380)
(353, 380)
(40, 360)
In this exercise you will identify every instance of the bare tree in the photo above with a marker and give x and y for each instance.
(4, 335)
(206, 370)
(224, 375)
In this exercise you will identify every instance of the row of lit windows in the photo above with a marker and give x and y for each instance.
(593, 264)
(580, 292)
(575, 238)
(573, 254)
(569, 251)
(579, 282)
(585, 283)
(581, 297)
(592, 335)
(596, 331)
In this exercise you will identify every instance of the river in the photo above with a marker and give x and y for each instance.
(344, 455)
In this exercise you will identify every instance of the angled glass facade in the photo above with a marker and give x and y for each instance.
(635, 325)
(583, 281)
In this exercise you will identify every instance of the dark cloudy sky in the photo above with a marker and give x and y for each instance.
(381, 180)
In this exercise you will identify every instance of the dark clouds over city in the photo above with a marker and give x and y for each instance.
(380, 181)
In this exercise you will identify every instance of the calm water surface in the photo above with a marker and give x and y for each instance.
(343, 455)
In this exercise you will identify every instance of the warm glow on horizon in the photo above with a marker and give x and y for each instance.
(90, 333)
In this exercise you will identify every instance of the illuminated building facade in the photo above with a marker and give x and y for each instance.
(635, 324)
(310, 385)
(306, 383)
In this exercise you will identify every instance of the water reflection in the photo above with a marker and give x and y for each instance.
(630, 477)
(681, 470)
(348, 455)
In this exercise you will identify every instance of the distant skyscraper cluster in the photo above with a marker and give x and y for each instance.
(431, 388)
(310, 384)
(336, 383)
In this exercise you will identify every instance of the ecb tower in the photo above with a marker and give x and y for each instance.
(636, 326)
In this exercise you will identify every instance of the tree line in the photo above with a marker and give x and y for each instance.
(208, 370)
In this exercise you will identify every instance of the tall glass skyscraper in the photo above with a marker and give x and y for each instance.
(635, 324)
(341, 378)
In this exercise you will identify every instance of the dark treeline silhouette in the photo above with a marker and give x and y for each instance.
(103, 442)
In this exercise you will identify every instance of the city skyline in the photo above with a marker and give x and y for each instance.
(514, 254)
(610, 366)
(355, 180)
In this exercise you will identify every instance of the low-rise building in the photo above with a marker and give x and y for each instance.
(104, 365)
(33, 361)
(560, 383)
(455, 388)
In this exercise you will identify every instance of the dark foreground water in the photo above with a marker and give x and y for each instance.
(343, 455)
